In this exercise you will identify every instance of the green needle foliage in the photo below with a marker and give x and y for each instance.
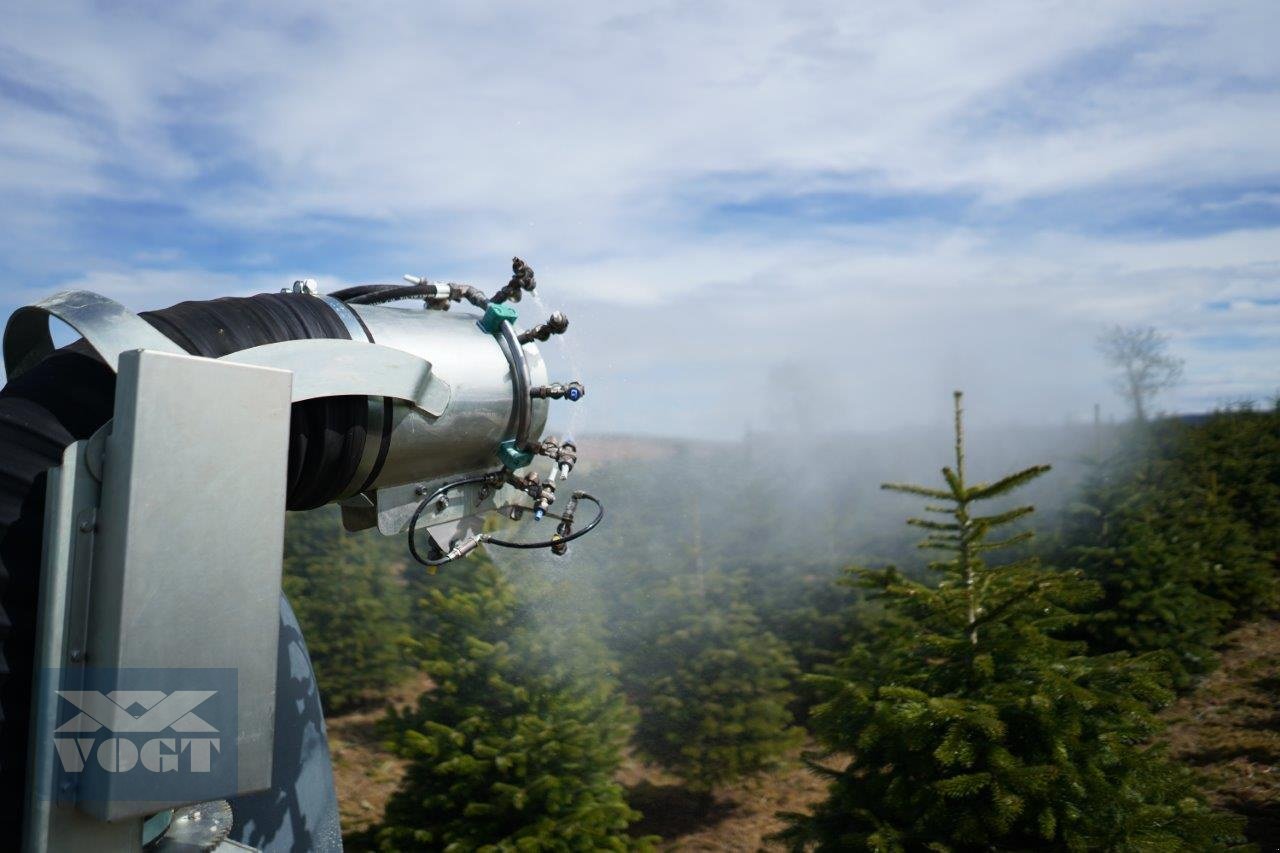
(711, 687)
(1156, 528)
(800, 603)
(515, 745)
(1240, 448)
(350, 605)
(1151, 601)
(973, 725)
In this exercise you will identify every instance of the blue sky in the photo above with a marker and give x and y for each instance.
(817, 215)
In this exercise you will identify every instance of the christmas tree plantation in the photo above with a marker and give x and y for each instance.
(351, 606)
(1157, 527)
(710, 684)
(515, 745)
(973, 725)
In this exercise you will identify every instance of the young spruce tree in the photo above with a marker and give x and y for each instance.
(515, 745)
(1155, 528)
(1240, 447)
(711, 686)
(350, 604)
(972, 726)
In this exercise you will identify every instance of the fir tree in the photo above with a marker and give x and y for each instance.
(515, 745)
(1242, 445)
(1254, 484)
(1176, 565)
(1230, 565)
(1150, 601)
(350, 605)
(1235, 453)
(802, 604)
(973, 726)
(710, 685)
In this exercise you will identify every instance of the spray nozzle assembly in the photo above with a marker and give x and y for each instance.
(557, 324)
(564, 530)
(558, 544)
(439, 295)
(516, 451)
(572, 391)
(521, 280)
(563, 453)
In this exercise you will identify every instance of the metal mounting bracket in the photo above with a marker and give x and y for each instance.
(341, 367)
(332, 367)
(105, 324)
(144, 524)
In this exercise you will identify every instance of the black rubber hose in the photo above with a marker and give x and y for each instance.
(436, 557)
(360, 290)
(564, 540)
(394, 294)
(327, 435)
(66, 398)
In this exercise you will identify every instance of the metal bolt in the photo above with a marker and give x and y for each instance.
(77, 655)
(420, 490)
(442, 504)
(87, 526)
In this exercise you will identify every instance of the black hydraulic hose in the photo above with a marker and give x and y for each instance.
(432, 562)
(563, 540)
(466, 548)
(66, 397)
(348, 293)
(377, 294)
(392, 294)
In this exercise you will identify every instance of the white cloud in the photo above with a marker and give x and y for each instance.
(594, 140)
(560, 110)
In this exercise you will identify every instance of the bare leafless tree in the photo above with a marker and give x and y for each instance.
(1144, 367)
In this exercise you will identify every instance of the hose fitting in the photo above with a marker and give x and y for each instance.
(521, 280)
(572, 391)
(557, 324)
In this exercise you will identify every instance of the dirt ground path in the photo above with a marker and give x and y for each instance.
(741, 818)
(1228, 728)
(364, 772)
